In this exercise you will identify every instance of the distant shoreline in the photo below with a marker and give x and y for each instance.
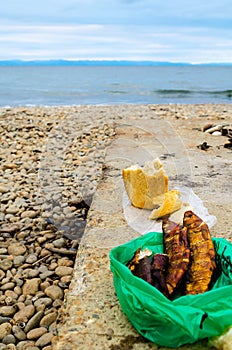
(61, 62)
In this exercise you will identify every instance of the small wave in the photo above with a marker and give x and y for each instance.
(174, 91)
(182, 92)
(227, 93)
(118, 92)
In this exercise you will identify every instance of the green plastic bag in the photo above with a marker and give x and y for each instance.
(183, 320)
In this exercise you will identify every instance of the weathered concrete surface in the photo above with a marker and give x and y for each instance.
(91, 317)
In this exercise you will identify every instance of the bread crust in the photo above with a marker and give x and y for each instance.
(143, 185)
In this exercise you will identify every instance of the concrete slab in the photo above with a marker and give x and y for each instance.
(91, 317)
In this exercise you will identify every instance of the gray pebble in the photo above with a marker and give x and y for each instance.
(7, 310)
(9, 339)
(34, 321)
(19, 282)
(18, 333)
(18, 260)
(42, 269)
(46, 274)
(59, 243)
(30, 273)
(44, 340)
(43, 301)
(31, 258)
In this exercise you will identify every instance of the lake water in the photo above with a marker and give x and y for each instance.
(78, 85)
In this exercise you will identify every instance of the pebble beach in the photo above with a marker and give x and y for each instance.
(51, 161)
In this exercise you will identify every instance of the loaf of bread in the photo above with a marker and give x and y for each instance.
(143, 185)
(169, 203)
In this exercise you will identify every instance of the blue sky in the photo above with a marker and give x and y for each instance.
(198, 31)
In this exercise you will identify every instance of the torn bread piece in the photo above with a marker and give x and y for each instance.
(178, 215)
(144, 184)
(168, 203)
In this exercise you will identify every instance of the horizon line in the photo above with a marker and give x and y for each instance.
(61, 61)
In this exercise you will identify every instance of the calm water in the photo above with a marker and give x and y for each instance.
(20, 86)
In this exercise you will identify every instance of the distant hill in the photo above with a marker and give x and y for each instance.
(100, 63)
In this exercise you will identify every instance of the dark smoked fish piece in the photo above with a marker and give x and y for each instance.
(151, 269)
(202, 250)
(140, 264)
(158, 271)
(177, 249)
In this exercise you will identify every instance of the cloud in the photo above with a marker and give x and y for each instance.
(193, 31)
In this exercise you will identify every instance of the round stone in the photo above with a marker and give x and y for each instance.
(58, 243)
(18, 260)
(43, 302)
(54, 292)
(31, 258)
(9, 339)
(5, 329)
(17, 249)
(63, 270)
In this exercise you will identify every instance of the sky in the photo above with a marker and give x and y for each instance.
(198, 31)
